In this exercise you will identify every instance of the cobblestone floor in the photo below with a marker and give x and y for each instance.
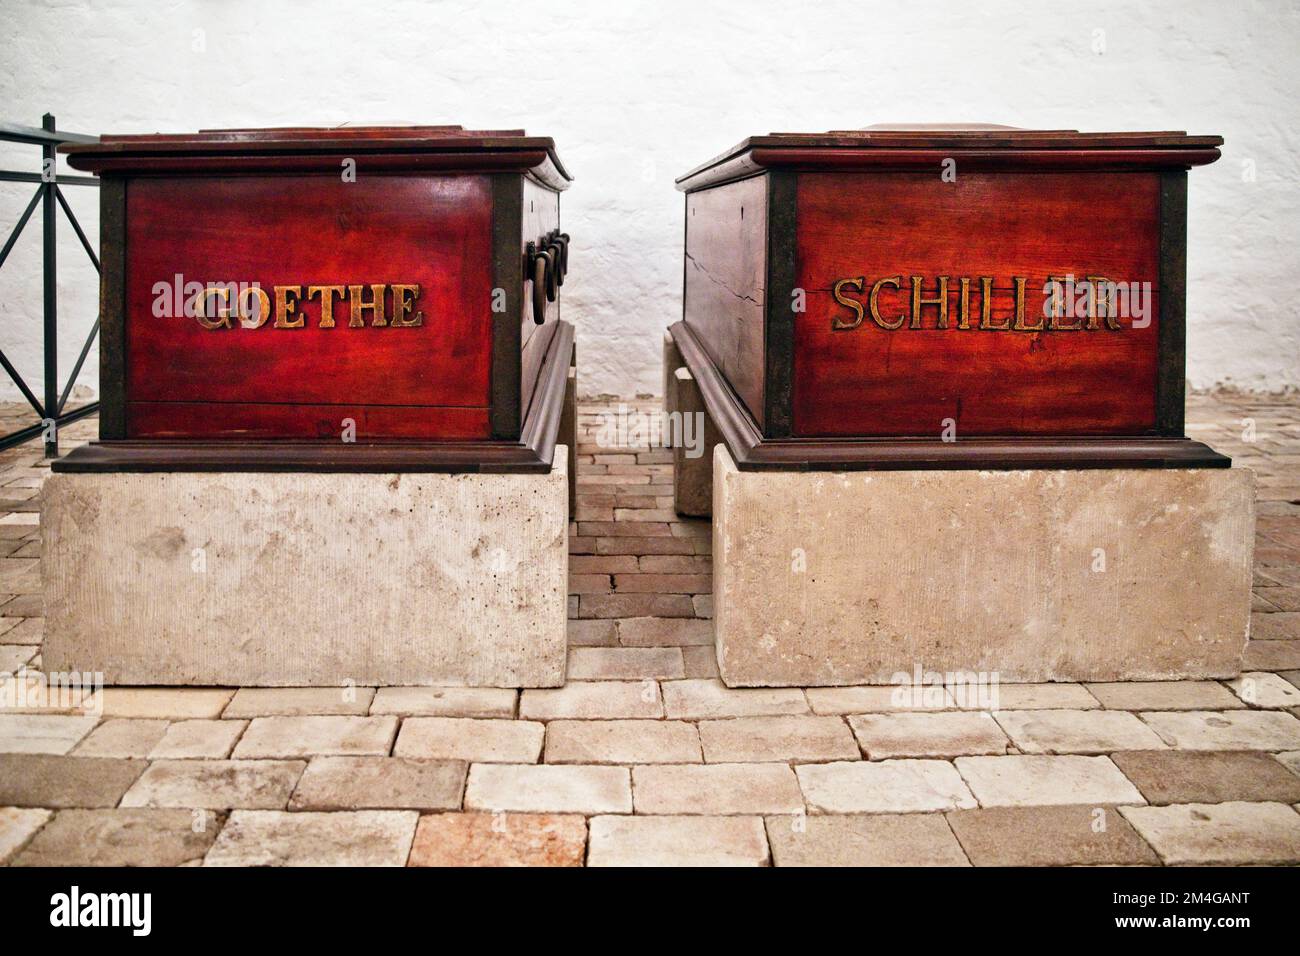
(644, 756)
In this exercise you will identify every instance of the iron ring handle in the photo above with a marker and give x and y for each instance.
(552, 270)
(562, 240)
(541, 266)
(557, 252)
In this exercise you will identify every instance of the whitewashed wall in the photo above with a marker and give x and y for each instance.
(636, 93)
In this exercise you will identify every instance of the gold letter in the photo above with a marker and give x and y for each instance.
(401, 306)
(963, 312)
(1107, 305)
(941, 300)
(875, 308)
(263, 308)
(222, 321)
(327, 294)
(375, 306)
(285, 308)
(1057, 312)
(838, 324)
(986, 310)
(1020, 308)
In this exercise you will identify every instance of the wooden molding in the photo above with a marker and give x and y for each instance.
(533, 453)
(753, 452)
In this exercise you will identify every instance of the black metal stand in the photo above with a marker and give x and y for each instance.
(50, 412)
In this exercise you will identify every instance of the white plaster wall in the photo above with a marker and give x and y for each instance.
(636, 93)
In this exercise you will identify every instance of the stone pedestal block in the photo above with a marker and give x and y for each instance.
(692, 464)
(672, 362)
(569, 434)
(308, 579)
(834, 578)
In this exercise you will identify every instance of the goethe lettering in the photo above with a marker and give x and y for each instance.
(229, 305)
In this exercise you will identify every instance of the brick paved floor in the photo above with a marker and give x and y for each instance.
(644, 757)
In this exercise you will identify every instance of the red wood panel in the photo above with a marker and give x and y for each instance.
(325, 422)
(871, 382)
(726, 279)
(434, 231)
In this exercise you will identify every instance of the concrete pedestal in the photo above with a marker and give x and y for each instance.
(308, 579)
(835, 578)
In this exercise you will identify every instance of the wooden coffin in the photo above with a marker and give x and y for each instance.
(926, 297)
(358, 298)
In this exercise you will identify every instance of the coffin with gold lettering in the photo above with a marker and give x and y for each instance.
(371, 297)
(931, 297)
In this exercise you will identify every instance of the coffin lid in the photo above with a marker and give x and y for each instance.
(307, 148)
(974, 145)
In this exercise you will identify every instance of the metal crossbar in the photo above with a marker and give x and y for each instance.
(49, 196)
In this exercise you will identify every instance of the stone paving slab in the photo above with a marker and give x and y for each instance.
(795, 739)
(626, 663)
(1234, 730)
(278, 737)
(17, 826)
(1260, 689)
(1076, 731)
(677, 841)
(470, 739)
(47, 780)
(1043, 697)
(505, 839)
(380, 783)
(277, 838)
(917, 839)
(122, 838)
(1165, 695)
(593, 700)
(546, 788)
(1179, 776)
(887, 786)
(1031, 780)
(1050, 836)
(877, 699)
(716, 789)
(216, 784)
(622, 742)
(707, 699)
(445, 701)
(122, 737)
(299, 701)
(1205, 833)
(14, 656)
(168, 703)
(664, 632)
(884, 736)
(42, 733)
(198, 740)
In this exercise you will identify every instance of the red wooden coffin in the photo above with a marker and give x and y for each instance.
(312, 295)
(943, 297)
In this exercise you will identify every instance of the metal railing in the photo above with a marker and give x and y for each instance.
(50, 197)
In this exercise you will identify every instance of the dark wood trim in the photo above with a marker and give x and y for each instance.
(112, 316)
(507, 274)
(1171, 375)
(778, 327)
(532, 454)
(971, 160)
(752, 452)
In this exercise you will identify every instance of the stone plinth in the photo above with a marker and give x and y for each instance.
(692, 466)
(834, 578)
(308, 579)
